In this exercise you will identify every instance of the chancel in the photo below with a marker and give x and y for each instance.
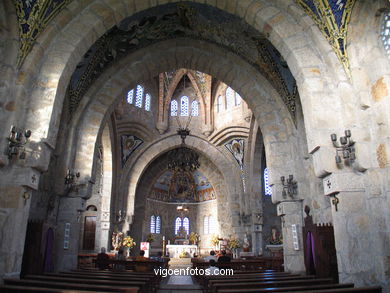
(164, 134)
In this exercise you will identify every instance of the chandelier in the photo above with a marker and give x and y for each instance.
(183, 158)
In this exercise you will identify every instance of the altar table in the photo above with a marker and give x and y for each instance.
(175, 250)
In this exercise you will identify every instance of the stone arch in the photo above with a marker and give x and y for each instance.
(281, 22)
(136, 167)
(273, 118)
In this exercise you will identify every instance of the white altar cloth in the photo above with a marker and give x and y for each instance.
(175, 250)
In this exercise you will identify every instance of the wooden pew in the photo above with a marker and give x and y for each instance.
(305, 289)
(143, 285)
(18, 289)
(373, 289)
(269, 284)
(68, 286)
(204, 280)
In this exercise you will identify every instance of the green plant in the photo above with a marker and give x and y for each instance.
(233, 243)
(128, 241)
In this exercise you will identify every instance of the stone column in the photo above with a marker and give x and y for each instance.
(15, 192)
(291, 213)
(69, 217)
(360, 228)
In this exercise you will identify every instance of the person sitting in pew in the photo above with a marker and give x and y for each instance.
(224, 257)
(101, 259)
(141, 258)
(213, 270)
(120, 256)
(212, 256)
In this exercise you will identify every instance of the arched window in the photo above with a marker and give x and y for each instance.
(153, 224)
(138, 96)
(206, 225)
(186, 224)
(130, 96)
(173, 108)
(229, 98)
(184, 106)
(237, 99)
(147, 102)
(158, 225)
(219, 104)
(178, 224)
(212, 225)
(385, 32)
(267, 188)
(194, 108)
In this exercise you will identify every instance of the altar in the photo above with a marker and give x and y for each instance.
(175, 250)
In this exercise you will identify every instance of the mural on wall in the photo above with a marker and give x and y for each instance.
(129, 143)
(181, 187)
(332, 18)
(236, 148)
(33, 17)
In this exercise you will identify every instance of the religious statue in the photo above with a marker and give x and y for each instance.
(275, 238)
(116, 239)
(246, 244)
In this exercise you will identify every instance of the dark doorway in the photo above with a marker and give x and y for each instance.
(89, 233)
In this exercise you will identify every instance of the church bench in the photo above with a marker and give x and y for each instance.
(373, 289)
(236, 279)
(144, 286)
(274, 263)
(18, 289)
(204, 280)
(69, 286)
(269, 284)
(316, 288)
(152, 279)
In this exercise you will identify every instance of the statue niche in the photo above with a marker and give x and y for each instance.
(182, 187)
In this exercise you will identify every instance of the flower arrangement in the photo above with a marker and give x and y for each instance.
(150, 238)
(233, 243)
(194, 238)
(215, 240)
(183, 254)
(128, 241)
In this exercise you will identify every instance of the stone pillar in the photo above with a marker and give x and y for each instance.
(291, 213)
(69, 218)
(360, 228)
(16, 188)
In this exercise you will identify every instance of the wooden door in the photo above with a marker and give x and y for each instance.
(89, 233)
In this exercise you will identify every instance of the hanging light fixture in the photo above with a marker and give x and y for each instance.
(183, 158)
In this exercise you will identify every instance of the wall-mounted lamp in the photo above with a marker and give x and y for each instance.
(345, 148)
(71, 178)
(16, 142)
(335, 201)
(289, 186)
(120, 216)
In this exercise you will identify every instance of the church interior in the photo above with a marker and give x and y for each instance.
(254, 128)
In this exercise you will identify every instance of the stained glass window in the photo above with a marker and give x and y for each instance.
(229, 98)
(186, 224)
(173, 108)
(147, 102)
(158, 225)
(178, 224)
(267, 188)
(194, 108)
(152, 224)
(130, 96)
(385, 33)
(184, 106)
(138, 96)
(219, 104)
(206, 225)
